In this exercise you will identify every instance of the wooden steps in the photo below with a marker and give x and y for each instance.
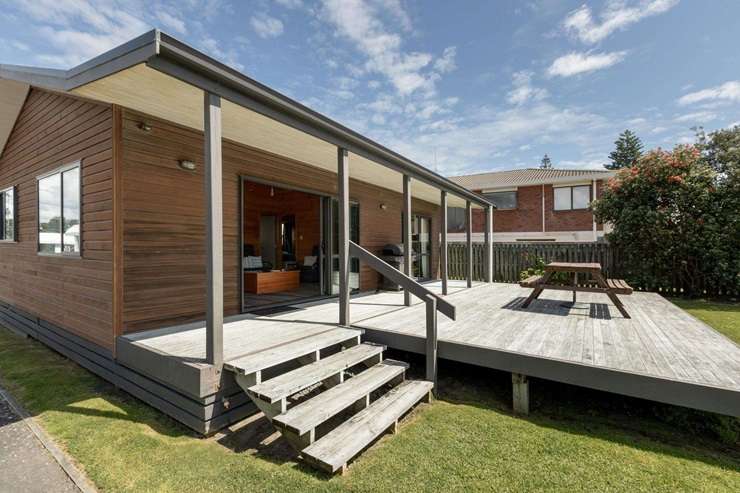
(308, 415)
(304, 377)
(332, 452)
(304, 347)
(308, 404)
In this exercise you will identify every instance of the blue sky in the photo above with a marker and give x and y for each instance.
(458, 86)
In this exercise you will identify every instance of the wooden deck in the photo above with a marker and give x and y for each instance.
(662, 353)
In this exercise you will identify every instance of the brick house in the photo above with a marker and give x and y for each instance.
(534, 205)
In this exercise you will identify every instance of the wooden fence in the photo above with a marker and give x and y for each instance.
(510, 259)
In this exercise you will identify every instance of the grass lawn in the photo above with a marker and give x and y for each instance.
(467, 440)
(723, 316)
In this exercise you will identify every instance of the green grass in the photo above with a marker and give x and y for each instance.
(575, 440)
(723, 316)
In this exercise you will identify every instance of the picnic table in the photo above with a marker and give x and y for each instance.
(610, 287)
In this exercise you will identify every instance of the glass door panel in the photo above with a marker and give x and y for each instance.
(331, 247)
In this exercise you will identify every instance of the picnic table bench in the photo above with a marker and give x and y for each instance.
(610, 287)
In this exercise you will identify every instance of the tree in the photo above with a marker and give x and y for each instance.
(546, 163)
(674, 220)
(628, 149)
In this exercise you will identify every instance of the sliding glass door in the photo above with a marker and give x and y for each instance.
(421, 243)
(331, 245)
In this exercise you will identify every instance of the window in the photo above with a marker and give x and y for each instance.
(59, 211)
(455, 219)
(502, 200)
(568, 198)
(7, 219)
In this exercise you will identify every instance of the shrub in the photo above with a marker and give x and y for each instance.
(675, 222)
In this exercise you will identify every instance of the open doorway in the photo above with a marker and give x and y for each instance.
(290, 244)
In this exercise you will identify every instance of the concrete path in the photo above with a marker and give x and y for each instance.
(25, 464)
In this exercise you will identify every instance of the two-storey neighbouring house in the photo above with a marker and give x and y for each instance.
(534, 205)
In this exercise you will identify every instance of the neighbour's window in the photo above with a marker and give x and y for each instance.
(567, 198)
(8, 217)
(59, 211)
(502, 200)
(455, 219)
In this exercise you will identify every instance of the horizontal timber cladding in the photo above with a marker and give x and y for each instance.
(74, 293)
(163, 216)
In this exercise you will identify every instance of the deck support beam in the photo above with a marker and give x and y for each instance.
(469, 243)
(520, 393)
(343, 199)
(489, 243)
(431, 339)
(214, 230)
(406, 217)
(443, 244)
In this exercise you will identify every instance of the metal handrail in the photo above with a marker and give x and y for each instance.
(434, 302)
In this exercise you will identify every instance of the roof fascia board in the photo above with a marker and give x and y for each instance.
(131, 53)
(184, 63)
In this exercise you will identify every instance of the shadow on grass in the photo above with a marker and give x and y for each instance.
(646, 425)
(45, 381)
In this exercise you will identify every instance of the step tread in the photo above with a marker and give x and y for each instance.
(308, 415)
(336, 448)
(276, 355)
(301, 378)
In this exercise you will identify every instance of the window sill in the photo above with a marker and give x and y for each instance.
(8, 242)
(60, 255)
(571, 210)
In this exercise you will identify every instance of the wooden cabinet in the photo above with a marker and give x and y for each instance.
(271, 282)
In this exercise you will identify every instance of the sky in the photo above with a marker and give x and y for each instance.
(460, 87)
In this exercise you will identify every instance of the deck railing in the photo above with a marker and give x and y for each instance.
(434, 303)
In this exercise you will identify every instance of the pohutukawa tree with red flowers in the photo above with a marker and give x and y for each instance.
(675, 222)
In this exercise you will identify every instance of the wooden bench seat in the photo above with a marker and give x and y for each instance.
(619, 286)
(531, 281)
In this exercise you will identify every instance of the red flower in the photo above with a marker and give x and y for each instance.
(675, 179)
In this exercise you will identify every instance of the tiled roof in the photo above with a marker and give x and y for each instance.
(528, 176)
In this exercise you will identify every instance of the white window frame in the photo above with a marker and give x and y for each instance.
(59, 171)
(570, 207)
(3, 195)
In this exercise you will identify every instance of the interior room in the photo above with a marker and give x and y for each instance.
(281, 239)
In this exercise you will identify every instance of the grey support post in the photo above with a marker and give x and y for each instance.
(407, 234)
(489, 243)
(520, 393)
(343, 192)
(214, 231)
(443, 245)
(469, 242)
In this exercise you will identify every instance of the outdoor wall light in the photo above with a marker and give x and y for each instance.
(383, 206)
(186, 165)
(144, 126)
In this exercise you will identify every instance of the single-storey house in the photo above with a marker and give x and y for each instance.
(535, 205)
(153, 187)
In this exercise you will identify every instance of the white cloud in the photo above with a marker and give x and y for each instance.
(446, 63)
(658, 130)
(18, 45)
(266, 26)
(697, 117)
(579, 63)
(732, 125)
(616, 16)
(171, 21)
(362, 23)
(523, 90)
(729, 91)
(290, 4)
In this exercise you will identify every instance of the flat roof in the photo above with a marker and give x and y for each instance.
(528, 176)
(160, 75)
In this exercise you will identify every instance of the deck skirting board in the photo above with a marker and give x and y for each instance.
(696, 396)
(205, 416)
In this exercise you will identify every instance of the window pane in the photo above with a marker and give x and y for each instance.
(562, 198)
(9, 215)
(502, 200)
(50, 208)
(71, 184)
(581, 197)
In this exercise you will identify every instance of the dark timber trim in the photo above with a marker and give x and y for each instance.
(703, 397)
